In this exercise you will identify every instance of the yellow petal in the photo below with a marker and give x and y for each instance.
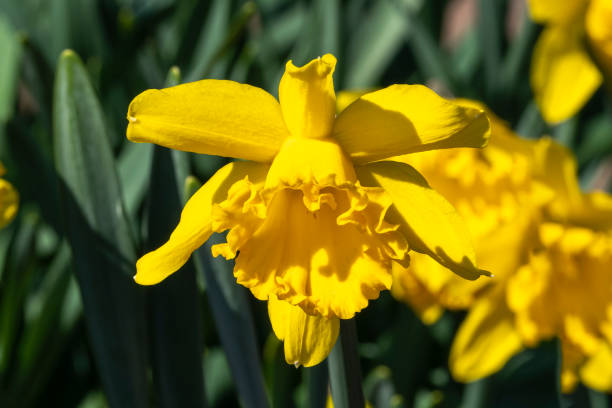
(599, 29)
(9, 202)
(222, 118)
(559, 173)
(511, 239)
(194, 227)
(345, 98)
(429, 222)
(307, 97)
(597, 371)
(563, 77)
(308, 339)
(485, 341)
(403, 119)
(595, 211)
(556, 11)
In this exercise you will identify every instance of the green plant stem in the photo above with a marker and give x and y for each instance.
(317, 378)
(344, 369)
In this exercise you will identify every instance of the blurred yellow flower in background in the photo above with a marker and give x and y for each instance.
(9, 200)
(563, 74)
(315, 218)
(565, 287)
(547, 244)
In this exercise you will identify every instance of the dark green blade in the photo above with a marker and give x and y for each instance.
(97, 231)
(174, 304)
(233, 319)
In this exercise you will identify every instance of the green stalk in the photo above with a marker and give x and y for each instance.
(317, 378)
(344, 369)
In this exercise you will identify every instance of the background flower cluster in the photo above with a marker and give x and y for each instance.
(75, 330)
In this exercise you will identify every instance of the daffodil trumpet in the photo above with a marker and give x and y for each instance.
(316, 210)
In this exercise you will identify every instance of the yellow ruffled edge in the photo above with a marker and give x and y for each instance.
(254, 204)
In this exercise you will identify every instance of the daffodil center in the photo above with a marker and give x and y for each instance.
(316, 161)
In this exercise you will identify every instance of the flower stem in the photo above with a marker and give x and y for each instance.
(317, 378)
(344, 369)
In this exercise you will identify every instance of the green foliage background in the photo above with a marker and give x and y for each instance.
(76, 331)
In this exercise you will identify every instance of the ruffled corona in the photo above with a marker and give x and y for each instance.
(318, 241)
(549, 297)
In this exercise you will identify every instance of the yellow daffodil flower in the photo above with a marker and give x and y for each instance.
(565, 286)
(563, 74)
(9, 200)
(315, 216)
(495, 192)
(548, 245)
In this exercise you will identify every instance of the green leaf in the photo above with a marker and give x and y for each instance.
(489, 23)
(52, 313)
(234, 321)
(565, 132)
(328, 16)
(9, 68)
(337, 381)
(218, 378)
(317, 381)
(531, 125)
(16, 280)
(466, 58)
(97, 231)
(344, 368)
(374, 44)
(518, 56)
(280, 376)
(319, 34)
(6, 236)
(134, 169)
(598, 399)
(43, 311)
(478, 394)
(174, 303)
(378, 387)
(211, 38)
(94, 399)
(596, 141)
(430, 59)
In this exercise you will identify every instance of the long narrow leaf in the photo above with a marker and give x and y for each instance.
(9, 68)
(97, 231)
(236, 328)
(174, 304)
